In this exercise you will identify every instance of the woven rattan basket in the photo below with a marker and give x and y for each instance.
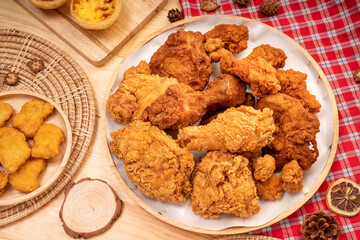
(63, 81)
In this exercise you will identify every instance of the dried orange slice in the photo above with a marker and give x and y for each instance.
(343, 198)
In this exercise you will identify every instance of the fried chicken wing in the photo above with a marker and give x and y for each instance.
(293, 83)
(295, 134)
(6, 112)
(153, 161)
(236, 130)
(142, 68)
(32, 116)
(183, 57)
(264, 167)
(222, 183)
(134, 94)
(257, 69)
(233, 36)
(181, 106)
(14, 150)
(271, 189)
(47, 141)
(292, 175)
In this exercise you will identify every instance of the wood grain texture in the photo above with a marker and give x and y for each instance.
(97, 46)
(232, 230)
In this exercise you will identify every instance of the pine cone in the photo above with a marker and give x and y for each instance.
(241, 2)
(269, 7)
(174, 15)
(320, 226)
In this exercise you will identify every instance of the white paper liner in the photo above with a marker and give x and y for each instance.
(258, 34)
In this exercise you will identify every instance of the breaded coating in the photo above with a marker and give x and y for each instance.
(234, 36)
(47, 141)
(222, 183)
(3, 181)
(142, 68)
(292, 175)
(215, 48)
(6, 112)
(270, 189)
(236, 130)
(32, 116)
(153, 161)
(26, 178)
(257, 69)
(295, 134)
(183, 57)
(134, 94)
(264, 167)
(14, 150)
(181, 106)
(293, 83)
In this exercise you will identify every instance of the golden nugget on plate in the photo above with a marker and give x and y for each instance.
(6, 112)
(32, 116)
(222, 183)
(47, 141)
(26, 178)
(3, 181)
(14, 150)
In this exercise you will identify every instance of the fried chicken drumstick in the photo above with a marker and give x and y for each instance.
(153, 161)
(295, 134)
(236, 130)
(181, 106)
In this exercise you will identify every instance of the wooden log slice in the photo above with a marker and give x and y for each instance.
(90, 207)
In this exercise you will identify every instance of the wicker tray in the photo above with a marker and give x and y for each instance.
(66, 84)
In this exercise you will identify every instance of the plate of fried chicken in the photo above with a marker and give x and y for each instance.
(221, 122)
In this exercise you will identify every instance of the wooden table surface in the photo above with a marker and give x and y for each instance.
(134, 223)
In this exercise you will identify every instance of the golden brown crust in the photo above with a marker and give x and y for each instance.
(183, 57)
(48, 4)
(6, 112)
(264, 167)
(292, 175)
(3, 181)
(271, 189)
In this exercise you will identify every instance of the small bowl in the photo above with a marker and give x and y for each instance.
(54, 166)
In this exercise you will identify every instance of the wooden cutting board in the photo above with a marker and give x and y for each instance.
(97, 46)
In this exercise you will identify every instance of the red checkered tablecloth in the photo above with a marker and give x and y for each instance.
(329, 30)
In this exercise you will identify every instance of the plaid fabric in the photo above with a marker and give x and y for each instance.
(329, 30)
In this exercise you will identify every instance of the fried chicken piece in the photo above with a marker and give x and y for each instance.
(293, 83)
(181, 106)
(32, 116)
(183, 57)
(257, 69)
(6, 112)
(295, 134)
(134, 94)
(271, 189)
(3, 181)
(236, 130)
(153, 161)
(142, 68)
(215, 49)
(14, 150)
(264, 167)
(47, 141)
(292, 175)
(222, 183)
(26, 178)
(233, 36)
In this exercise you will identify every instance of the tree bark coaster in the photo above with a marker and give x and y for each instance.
(90, 207)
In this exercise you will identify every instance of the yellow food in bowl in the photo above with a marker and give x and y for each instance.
(95, 14)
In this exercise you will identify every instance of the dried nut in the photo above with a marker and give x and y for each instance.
(208, 5)
(343, 198)
(11, 78)
(357, 75)
(36, 65)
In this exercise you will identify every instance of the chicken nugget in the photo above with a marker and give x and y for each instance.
(3, 181)
(6, 112)
(47, 141)
(264, 167)
(32, 116)
(14, 150)
(26, 179)
(292, 175)
(270, 189)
